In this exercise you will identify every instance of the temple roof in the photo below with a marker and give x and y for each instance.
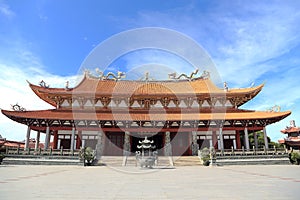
(77, 115)
(91, 86)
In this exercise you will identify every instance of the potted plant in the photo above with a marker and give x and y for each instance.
(87, 155)
(294, 158)
(205, 156)
(1, 157)
(2, 149)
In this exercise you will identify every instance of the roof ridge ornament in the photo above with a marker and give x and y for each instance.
(174, 74)
(115, 77)
(147, 77)
(275, 108)
(43, 84)
(17, 107)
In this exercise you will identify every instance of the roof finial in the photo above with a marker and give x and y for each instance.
(292, 123)
(225, 87)
(43, 84)
(67, 85)
(147, 77)
(205, 74)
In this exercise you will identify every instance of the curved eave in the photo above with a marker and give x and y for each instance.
(43, 93)
(251, 116)
(247, 93)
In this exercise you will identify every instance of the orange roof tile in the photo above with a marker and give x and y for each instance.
(90, 86)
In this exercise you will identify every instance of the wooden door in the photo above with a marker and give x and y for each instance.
(114, 144)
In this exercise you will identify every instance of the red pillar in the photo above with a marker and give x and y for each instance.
(238, 140)
(190, 138)
(55, 139)
(214, 139)
(78, 139)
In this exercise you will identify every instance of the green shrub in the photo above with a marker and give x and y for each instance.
(295, 158)
(205, 156)
(88, 155)
(1, 157)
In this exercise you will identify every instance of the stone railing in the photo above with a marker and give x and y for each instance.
(251, 152)
(41, 152)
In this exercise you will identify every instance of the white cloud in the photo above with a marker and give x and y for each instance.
(239, 36)
(14, 89)
(6, 11)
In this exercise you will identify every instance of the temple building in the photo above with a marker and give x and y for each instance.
(292, 140)
(112, 115)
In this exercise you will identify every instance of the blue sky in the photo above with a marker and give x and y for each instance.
(249, 42)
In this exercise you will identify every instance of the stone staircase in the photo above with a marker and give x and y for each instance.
(186, 161)
(165, 161)
(40, 160)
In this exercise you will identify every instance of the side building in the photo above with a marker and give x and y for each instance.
(113, 115)
(292, 139)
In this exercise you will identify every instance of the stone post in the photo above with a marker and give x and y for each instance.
(98, 145)
(27, 138)
(246, 139)
(168, 146)
(72, 139)
(195, 146)
(47, 138)
(126, 147)
(37, 142)
(221, 139)
(255, 140)
(266, 139)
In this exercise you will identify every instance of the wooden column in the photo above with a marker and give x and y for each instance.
(55, 139)
(238, 140)
(78, 139)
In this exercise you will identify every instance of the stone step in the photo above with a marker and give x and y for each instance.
(42, 157)
(253, 157)
(186, 161)
(112, 160)
(164, 161)
(39, 161)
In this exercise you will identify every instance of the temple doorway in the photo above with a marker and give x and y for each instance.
(180, 144)
(113, 144)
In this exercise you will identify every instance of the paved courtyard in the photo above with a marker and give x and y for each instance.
(69, 182)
